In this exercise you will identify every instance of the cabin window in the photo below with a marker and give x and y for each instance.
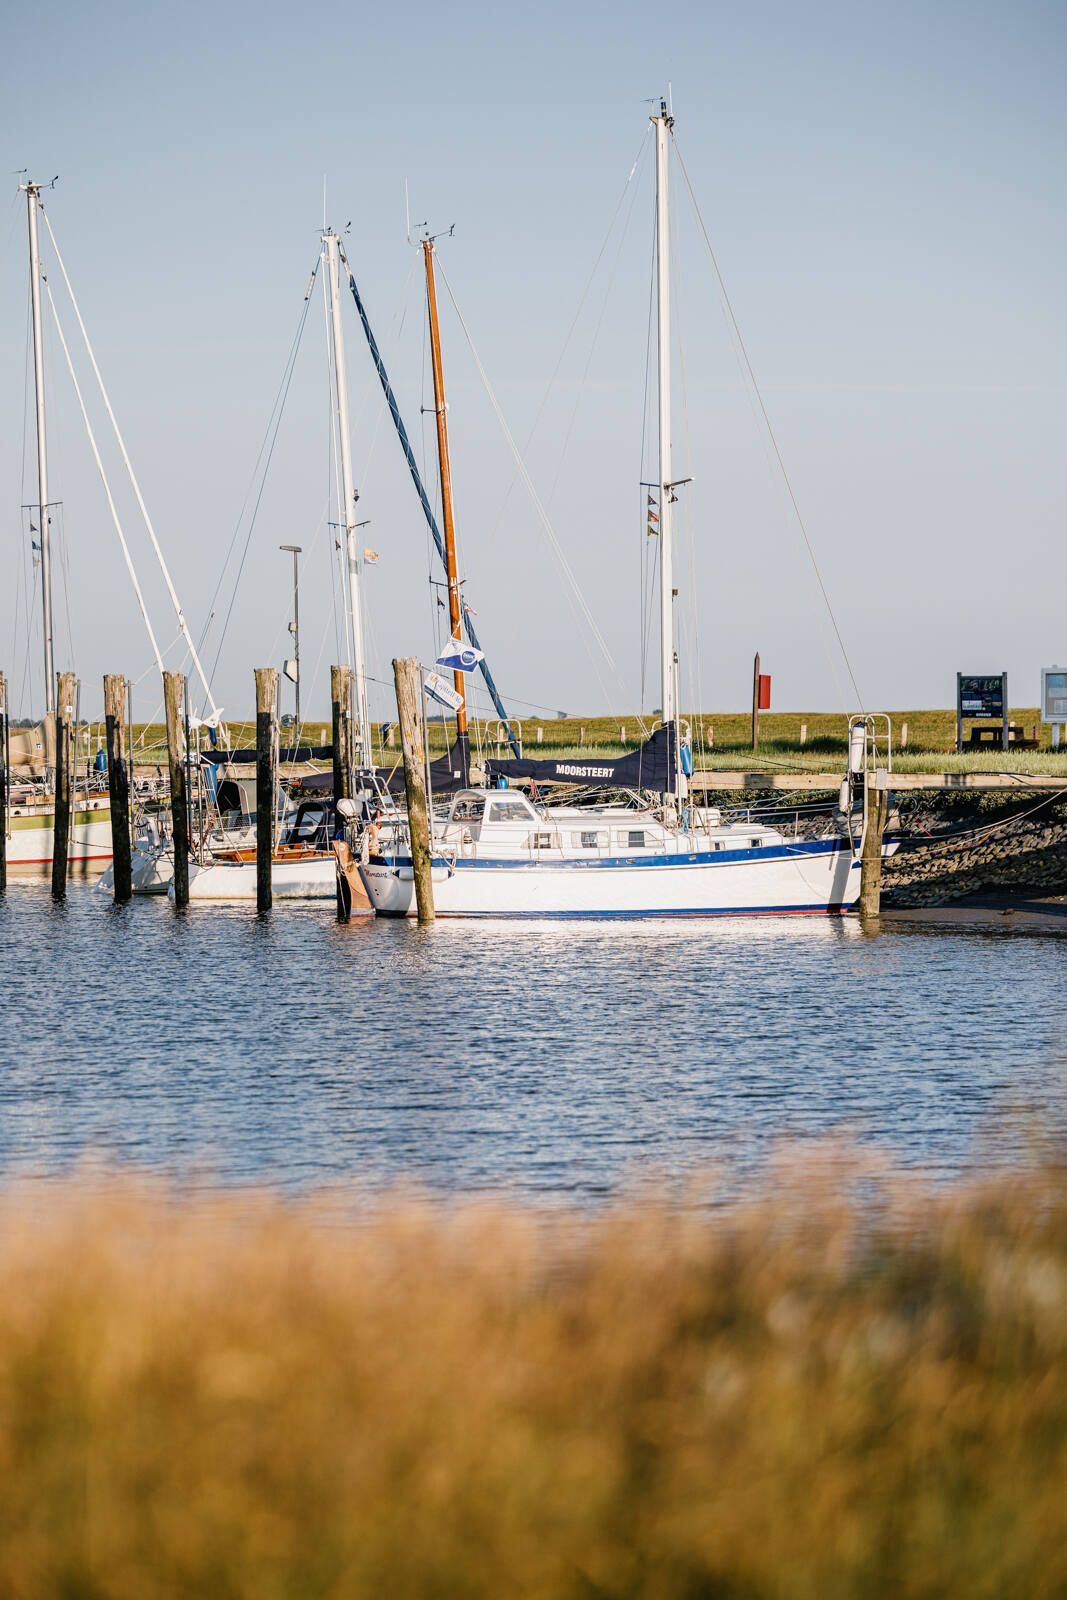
(635, 839)
(514, 810)
(469, 808)
(589, 840)
(755, 843)
(541, 841)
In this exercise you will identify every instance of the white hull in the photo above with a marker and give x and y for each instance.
(314, 878)
(32, 827)
(817, 877)
(151, 869)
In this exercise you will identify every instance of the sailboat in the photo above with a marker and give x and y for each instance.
(501, 853)
(303, 862)
(31, 812)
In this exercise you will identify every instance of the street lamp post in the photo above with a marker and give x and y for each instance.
(294, 628)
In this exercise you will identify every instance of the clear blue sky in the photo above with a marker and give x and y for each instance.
(884, 188)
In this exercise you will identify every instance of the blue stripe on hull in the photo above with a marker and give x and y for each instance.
(634, 916)
(716, 858)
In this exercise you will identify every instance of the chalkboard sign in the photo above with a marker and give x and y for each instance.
(982, 697)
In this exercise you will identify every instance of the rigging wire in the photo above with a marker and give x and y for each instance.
(275, 420)
(570, 331)
(107, 486)
(596, 332)
(765, 416)
(536, 501)
(129, 467)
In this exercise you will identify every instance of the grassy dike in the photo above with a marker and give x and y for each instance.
(848, 1387)
(722, 740)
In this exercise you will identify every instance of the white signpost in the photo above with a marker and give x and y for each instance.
(1054, 700)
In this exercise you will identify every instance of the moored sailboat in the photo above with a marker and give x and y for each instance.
(502, 854)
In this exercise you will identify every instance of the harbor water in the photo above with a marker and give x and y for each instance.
(551, 1061)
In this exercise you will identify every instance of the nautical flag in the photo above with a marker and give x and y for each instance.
(653, 516)
(441, 691)
(459, 657)
(372, 557)
(651, 501)
(469, 611)
(653, 533)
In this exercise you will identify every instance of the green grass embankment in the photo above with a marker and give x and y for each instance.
(722, 740)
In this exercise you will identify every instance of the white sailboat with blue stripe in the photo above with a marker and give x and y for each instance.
(501, 853)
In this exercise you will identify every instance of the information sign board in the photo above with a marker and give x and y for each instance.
(982, 697)
(1054, 694)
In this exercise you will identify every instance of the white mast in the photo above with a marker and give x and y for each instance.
(33, 195)
(663, 124)
(349, 496)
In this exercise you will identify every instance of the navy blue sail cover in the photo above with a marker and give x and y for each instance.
(652, 766)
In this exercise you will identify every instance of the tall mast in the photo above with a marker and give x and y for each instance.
(455, 611)
(663, 124)
(33, 197)
(349, 496)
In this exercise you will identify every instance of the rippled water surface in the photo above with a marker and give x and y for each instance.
(551, 1059)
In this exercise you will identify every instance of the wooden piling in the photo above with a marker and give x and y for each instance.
(903, 735)
(266, 704)
(3, 783)
(65, 692)
(118, 784)
(407, 677)
(803, 733)
(755, 703)
(341, 701)
(876, 809)
(173, 692)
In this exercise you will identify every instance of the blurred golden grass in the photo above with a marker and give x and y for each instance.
(852, 1386)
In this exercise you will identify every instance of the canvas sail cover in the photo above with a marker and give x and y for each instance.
(446, 776)
(652, 766)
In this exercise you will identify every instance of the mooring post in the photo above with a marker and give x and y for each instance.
(266, 701)
(173, 694)
(341, 706)
(64, 762)
(118, 784)
(407, 677)
(876, 807)
(3, 783)
(755, 703)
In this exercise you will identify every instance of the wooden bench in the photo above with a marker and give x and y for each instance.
(991, 734)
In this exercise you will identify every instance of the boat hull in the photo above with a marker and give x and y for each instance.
(151, 869)
(32, 831)
(817, 879)
(313, 878)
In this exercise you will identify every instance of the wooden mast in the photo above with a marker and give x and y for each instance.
(455, 604)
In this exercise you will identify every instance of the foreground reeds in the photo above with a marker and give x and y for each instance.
(851, 1387)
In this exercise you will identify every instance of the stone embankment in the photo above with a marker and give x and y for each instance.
(946, 854)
